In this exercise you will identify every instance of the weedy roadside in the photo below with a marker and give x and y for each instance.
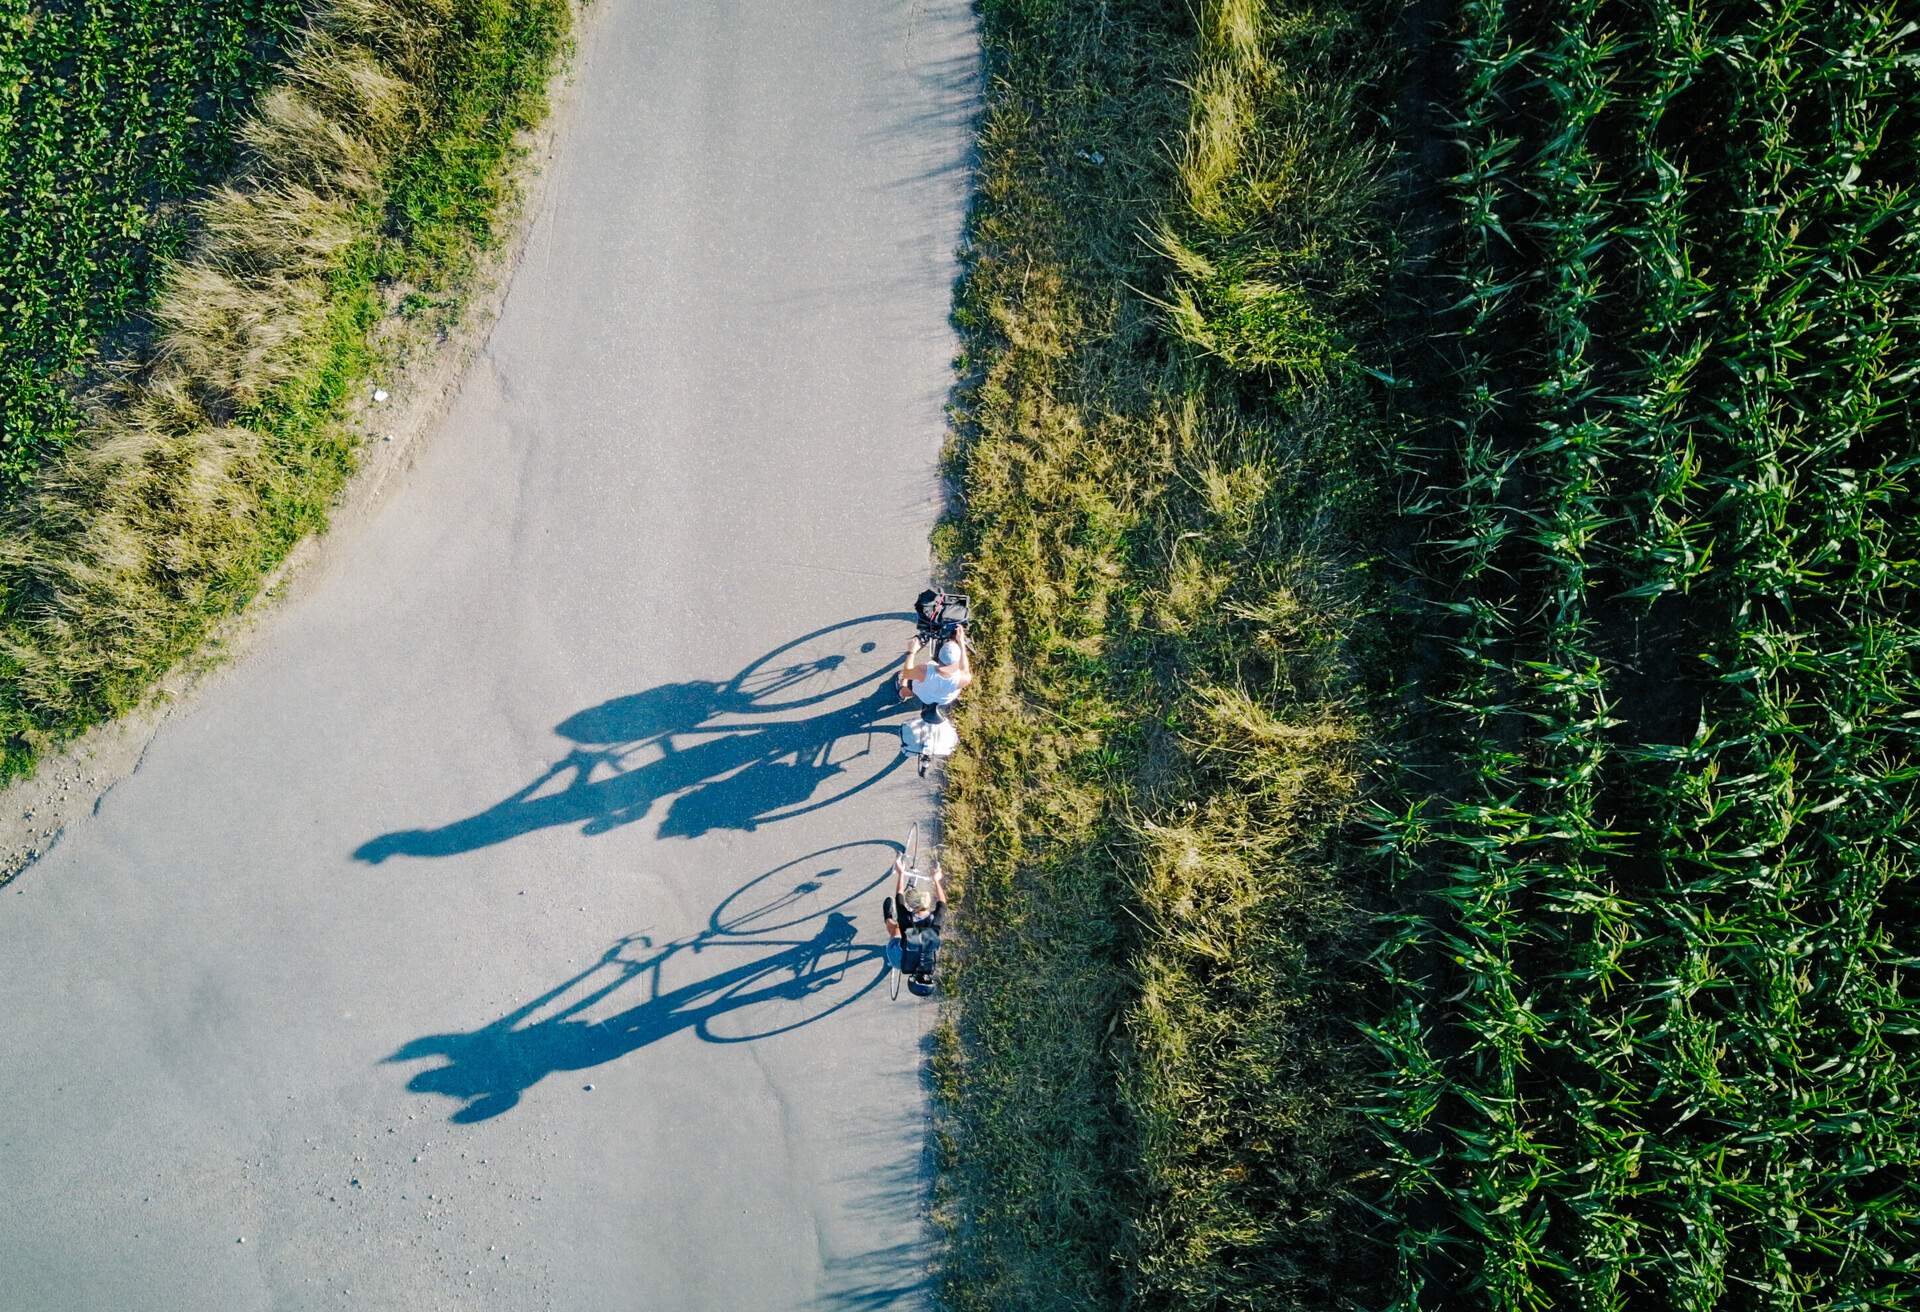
(372, 172)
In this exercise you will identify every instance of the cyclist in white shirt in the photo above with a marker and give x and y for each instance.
(939, 679)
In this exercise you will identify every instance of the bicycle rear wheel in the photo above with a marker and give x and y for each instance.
(893, 984)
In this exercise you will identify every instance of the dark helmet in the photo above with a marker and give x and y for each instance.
(933, 714)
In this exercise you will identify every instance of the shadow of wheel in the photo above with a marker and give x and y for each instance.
(763, 1006)
(813, 886)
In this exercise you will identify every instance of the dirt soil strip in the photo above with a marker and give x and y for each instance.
(497, 925)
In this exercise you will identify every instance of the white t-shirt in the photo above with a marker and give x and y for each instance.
(936, 689)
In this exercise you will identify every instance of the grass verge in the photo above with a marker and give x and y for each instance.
(1148, 1077)
(379, 162)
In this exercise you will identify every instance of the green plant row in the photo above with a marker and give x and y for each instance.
(381, 155)
(1649, 1036)
(111, 115)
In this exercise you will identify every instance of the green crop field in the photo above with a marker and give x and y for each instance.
(1652, 1034)
(111, 113)
(1443, 836)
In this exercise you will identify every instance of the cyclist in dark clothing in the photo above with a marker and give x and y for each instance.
(914, 915)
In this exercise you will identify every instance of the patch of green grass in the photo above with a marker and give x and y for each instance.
(446, 201)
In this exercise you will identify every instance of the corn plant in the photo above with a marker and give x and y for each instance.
(1653, 1041)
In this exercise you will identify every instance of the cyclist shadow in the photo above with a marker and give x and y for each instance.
(711, 746)
(490, 1068)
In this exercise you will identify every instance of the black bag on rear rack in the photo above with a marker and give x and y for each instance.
(929, 606)
(939, 612)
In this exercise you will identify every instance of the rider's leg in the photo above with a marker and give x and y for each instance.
(892, 922)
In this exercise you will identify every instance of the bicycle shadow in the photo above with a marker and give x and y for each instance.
(710, 746)
(489, 1069)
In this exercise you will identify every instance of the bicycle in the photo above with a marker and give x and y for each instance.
(910, 853)
(939, 617)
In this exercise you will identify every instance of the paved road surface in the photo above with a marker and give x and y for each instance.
(568, 770)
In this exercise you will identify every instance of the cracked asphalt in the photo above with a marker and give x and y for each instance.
(503, 930)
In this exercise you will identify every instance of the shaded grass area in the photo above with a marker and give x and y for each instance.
(111, 114)
(1148, 1080)
(379, 162)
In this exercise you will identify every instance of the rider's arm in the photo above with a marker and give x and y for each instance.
(939, 886)
(893, 904)
(909, 670)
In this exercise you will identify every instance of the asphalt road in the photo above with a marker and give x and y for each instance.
(503, 930)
